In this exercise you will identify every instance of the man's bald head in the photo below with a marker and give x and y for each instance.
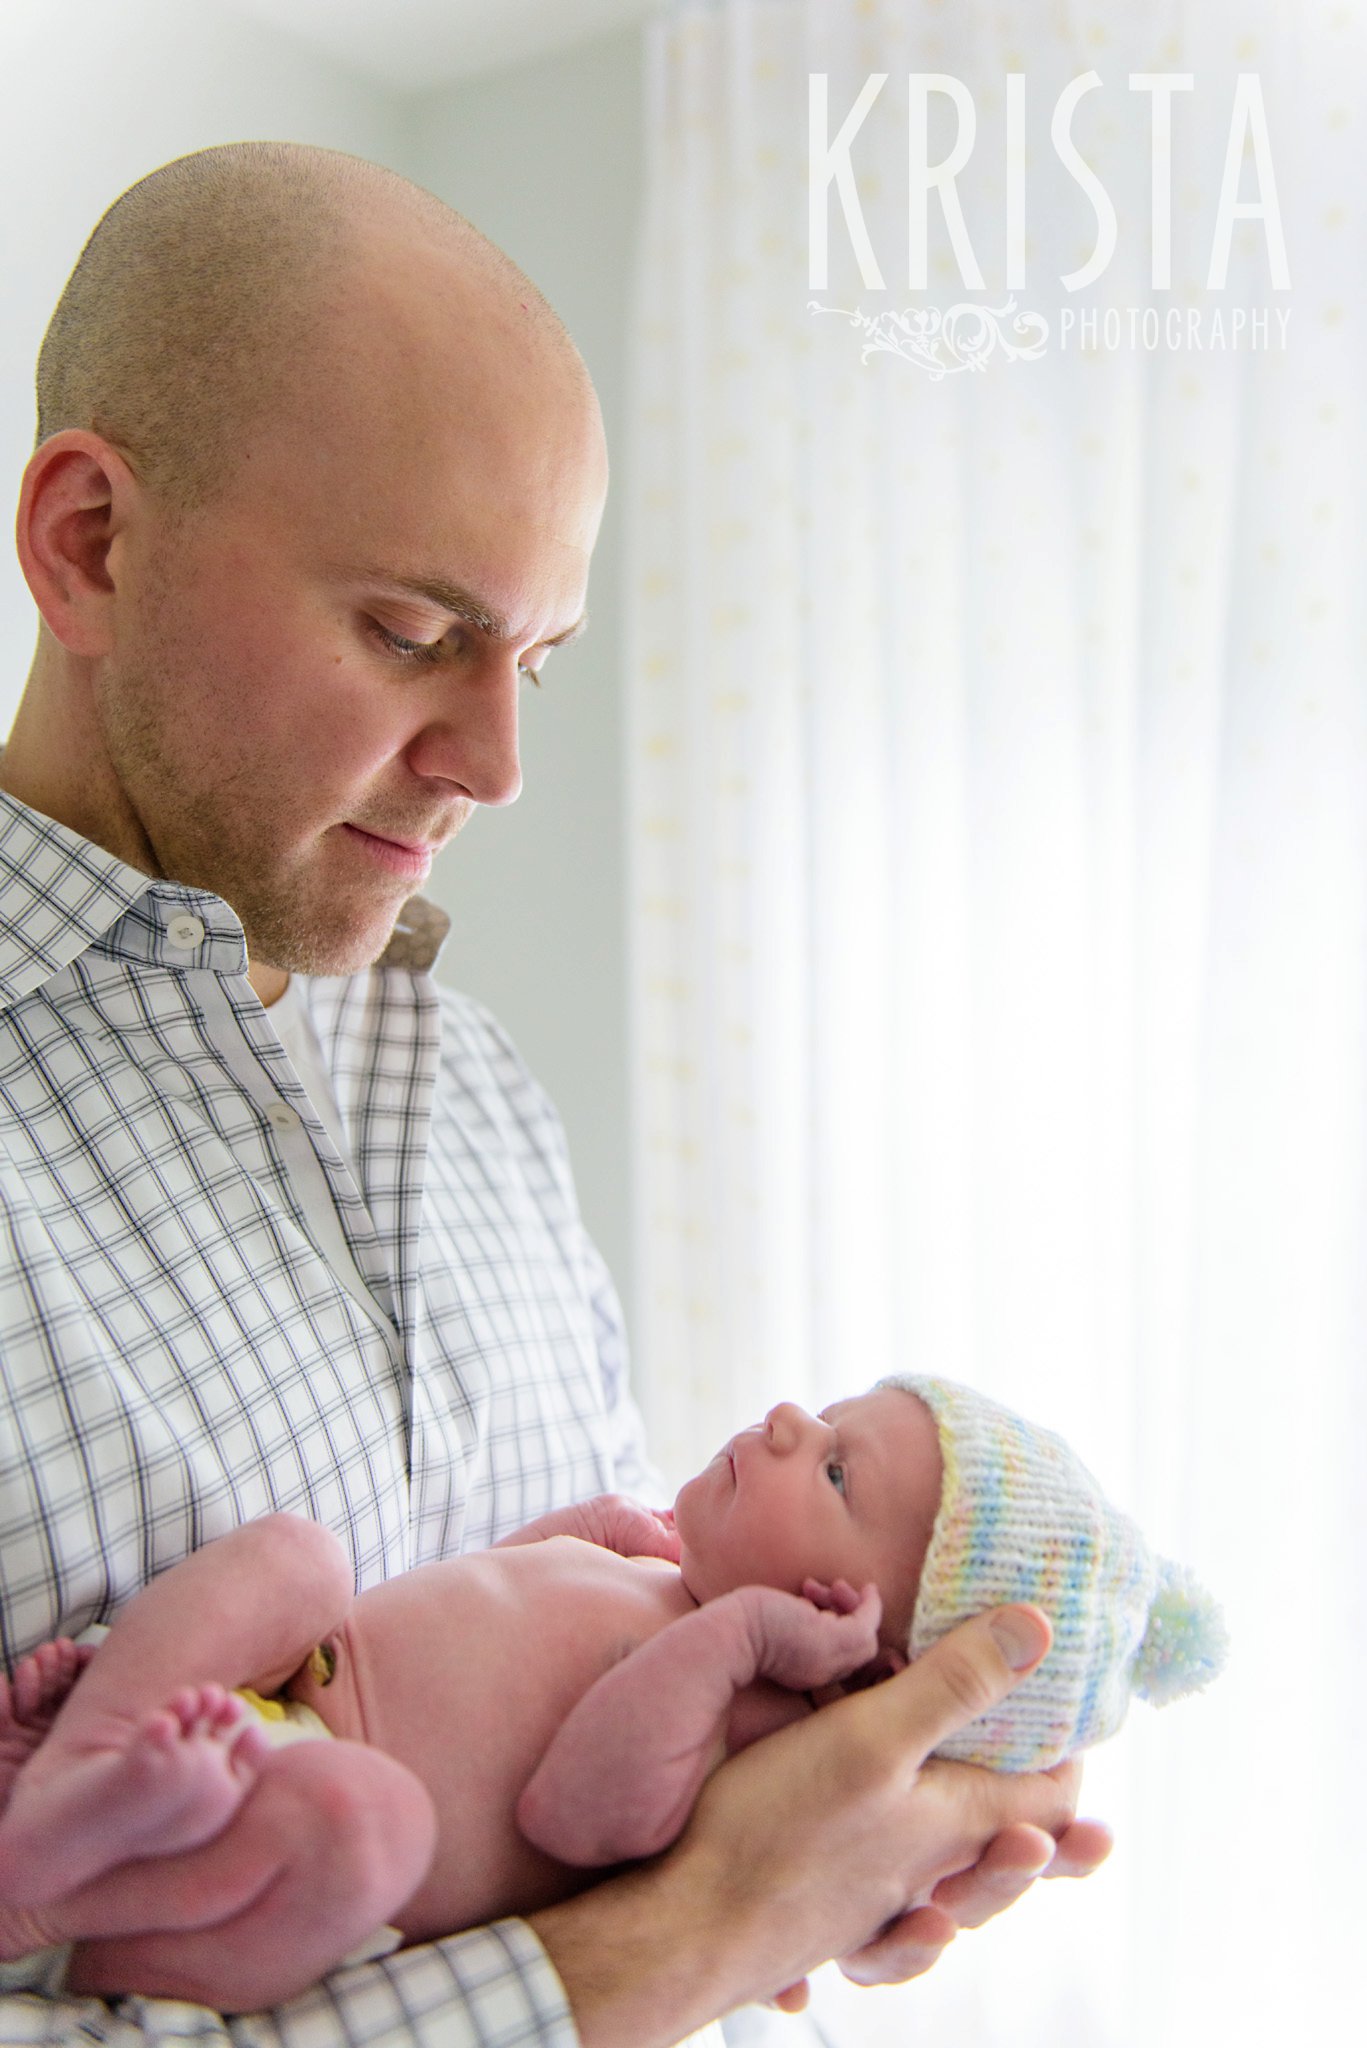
(317, 483)
(203, 305)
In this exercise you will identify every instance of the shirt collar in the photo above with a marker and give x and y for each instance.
(61, 896)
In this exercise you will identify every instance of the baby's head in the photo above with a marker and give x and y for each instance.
(849, 1494)
(953, 1505)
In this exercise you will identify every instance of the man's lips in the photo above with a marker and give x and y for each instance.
(408, 858)
(428, 846)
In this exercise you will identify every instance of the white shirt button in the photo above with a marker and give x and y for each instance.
(186, 931)
(282, 1116)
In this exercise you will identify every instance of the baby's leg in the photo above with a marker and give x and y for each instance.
(328, 1844)
(174, 1781)
(145, 1755)
(623, 1769)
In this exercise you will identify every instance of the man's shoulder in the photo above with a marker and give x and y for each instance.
(471, 1032)
(482, 1063)
(467, 1011)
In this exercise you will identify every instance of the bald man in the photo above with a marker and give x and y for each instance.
(317, 479)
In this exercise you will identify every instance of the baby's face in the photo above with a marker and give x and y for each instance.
(850, 1494)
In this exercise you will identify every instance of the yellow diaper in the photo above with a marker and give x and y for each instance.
(285, 1721)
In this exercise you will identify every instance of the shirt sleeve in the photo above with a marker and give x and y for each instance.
(492, 1988)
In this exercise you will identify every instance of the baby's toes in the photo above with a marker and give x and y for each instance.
(195, 1708)
(26, 1688)
(57, 1669)
(250, 1748)
(42, 1681)
(70, 1661)
(163, 1729)
(220, 1710)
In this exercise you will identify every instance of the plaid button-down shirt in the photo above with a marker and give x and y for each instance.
(178, 1354)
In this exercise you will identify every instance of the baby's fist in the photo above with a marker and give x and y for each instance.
(826, 1635)
(837, 1598)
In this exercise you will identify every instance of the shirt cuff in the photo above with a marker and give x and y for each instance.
(493, 1987)
(512, 1987)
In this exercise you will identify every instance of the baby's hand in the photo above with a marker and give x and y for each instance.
(615, 1522)
(610, 1520)
(839, 1598)
(822, 1637)
(883, 1661)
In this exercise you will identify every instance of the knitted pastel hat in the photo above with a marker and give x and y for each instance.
(1021, 1518)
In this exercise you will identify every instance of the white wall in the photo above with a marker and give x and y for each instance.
(543, 158)
(92, 98)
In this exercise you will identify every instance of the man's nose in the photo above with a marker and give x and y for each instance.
(472, 740)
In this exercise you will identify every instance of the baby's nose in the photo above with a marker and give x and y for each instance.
(785, 1426)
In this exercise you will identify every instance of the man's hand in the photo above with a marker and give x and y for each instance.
(1003, 1873)
(610, 1520)
(1008, 1866)
(832, 1838)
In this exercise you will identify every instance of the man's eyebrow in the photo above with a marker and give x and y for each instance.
(453, 598)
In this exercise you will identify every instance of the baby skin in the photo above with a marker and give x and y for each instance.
(506, 1724)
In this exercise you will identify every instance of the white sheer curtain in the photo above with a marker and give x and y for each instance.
(999, 867)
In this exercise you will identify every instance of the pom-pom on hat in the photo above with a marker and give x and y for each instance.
(1022, 1519)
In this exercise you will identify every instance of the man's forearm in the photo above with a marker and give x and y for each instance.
(649, 1957)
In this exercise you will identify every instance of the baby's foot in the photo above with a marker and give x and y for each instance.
(29, 1703)
(174, 1781)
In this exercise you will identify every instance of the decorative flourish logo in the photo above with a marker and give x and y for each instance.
(964, 338)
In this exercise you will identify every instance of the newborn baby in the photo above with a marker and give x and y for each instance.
(504, 1723)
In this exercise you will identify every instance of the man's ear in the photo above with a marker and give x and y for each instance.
(75, 500)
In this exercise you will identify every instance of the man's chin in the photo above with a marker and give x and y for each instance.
(320, 949)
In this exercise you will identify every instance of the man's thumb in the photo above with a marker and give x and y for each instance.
(970, 1669)
(1022, 1634)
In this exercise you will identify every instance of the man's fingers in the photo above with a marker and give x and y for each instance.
(1011, 1863)
(1082, 1848)
(908, 1948)
(968, 1671)
(795, 1998)
(1003, 1873)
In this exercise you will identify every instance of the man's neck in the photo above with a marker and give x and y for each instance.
(270, 983)
(52, 761)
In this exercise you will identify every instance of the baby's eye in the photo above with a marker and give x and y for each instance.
(835, 1472)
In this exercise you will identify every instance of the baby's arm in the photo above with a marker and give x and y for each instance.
(623, 1770)
(149, 1729)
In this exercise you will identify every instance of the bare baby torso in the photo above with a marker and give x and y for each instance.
(463, 1671)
